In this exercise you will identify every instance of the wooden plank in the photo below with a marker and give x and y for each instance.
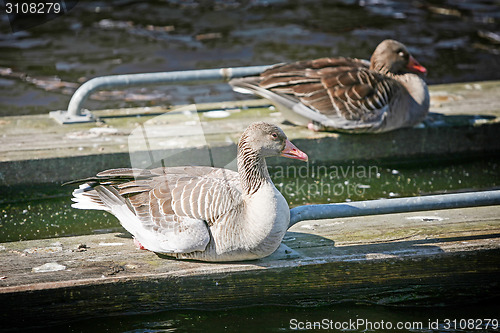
(413, 258)
(465, 121)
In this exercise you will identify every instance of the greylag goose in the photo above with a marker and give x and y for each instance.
(201, 213)
(346, 94)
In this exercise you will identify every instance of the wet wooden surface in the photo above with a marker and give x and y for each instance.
(35, 149)
(423, 258)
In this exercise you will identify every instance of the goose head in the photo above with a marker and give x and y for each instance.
(266, 140)
(391, 56)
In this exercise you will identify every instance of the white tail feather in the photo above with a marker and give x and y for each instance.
(242, 90)
(86, 198)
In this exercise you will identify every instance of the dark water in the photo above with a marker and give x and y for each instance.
(40, 67)
(44, 211)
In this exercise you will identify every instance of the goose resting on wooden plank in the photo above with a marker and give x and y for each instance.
(346, 94)
(201, 213)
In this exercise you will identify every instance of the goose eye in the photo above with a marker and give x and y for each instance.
(274, 135)
(401, 54)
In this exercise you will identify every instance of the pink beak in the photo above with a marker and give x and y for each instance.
(414, 66)
(291, 151)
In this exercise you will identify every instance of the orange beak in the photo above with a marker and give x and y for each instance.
(414, 66)
(291, 151)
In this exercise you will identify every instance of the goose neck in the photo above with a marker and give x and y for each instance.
(252, 169)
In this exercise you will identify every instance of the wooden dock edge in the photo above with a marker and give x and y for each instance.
(430, 281)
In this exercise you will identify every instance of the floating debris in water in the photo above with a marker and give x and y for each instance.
(112, 24)
(53, 84)
(490, 36)
(166, 28)
(444, 11)
(56, 85)
(208, 36)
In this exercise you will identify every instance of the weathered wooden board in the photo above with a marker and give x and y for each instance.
(413, 258)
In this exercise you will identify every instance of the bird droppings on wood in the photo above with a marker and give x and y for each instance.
(48, 267)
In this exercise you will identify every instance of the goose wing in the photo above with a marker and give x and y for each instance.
(335, 92)
(174, 206)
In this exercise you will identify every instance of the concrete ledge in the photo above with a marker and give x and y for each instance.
(35, 149)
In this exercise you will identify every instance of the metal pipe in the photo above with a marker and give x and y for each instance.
(76, 114)
(397, 205)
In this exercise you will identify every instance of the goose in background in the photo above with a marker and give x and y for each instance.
(197, 212)
(347, 94)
